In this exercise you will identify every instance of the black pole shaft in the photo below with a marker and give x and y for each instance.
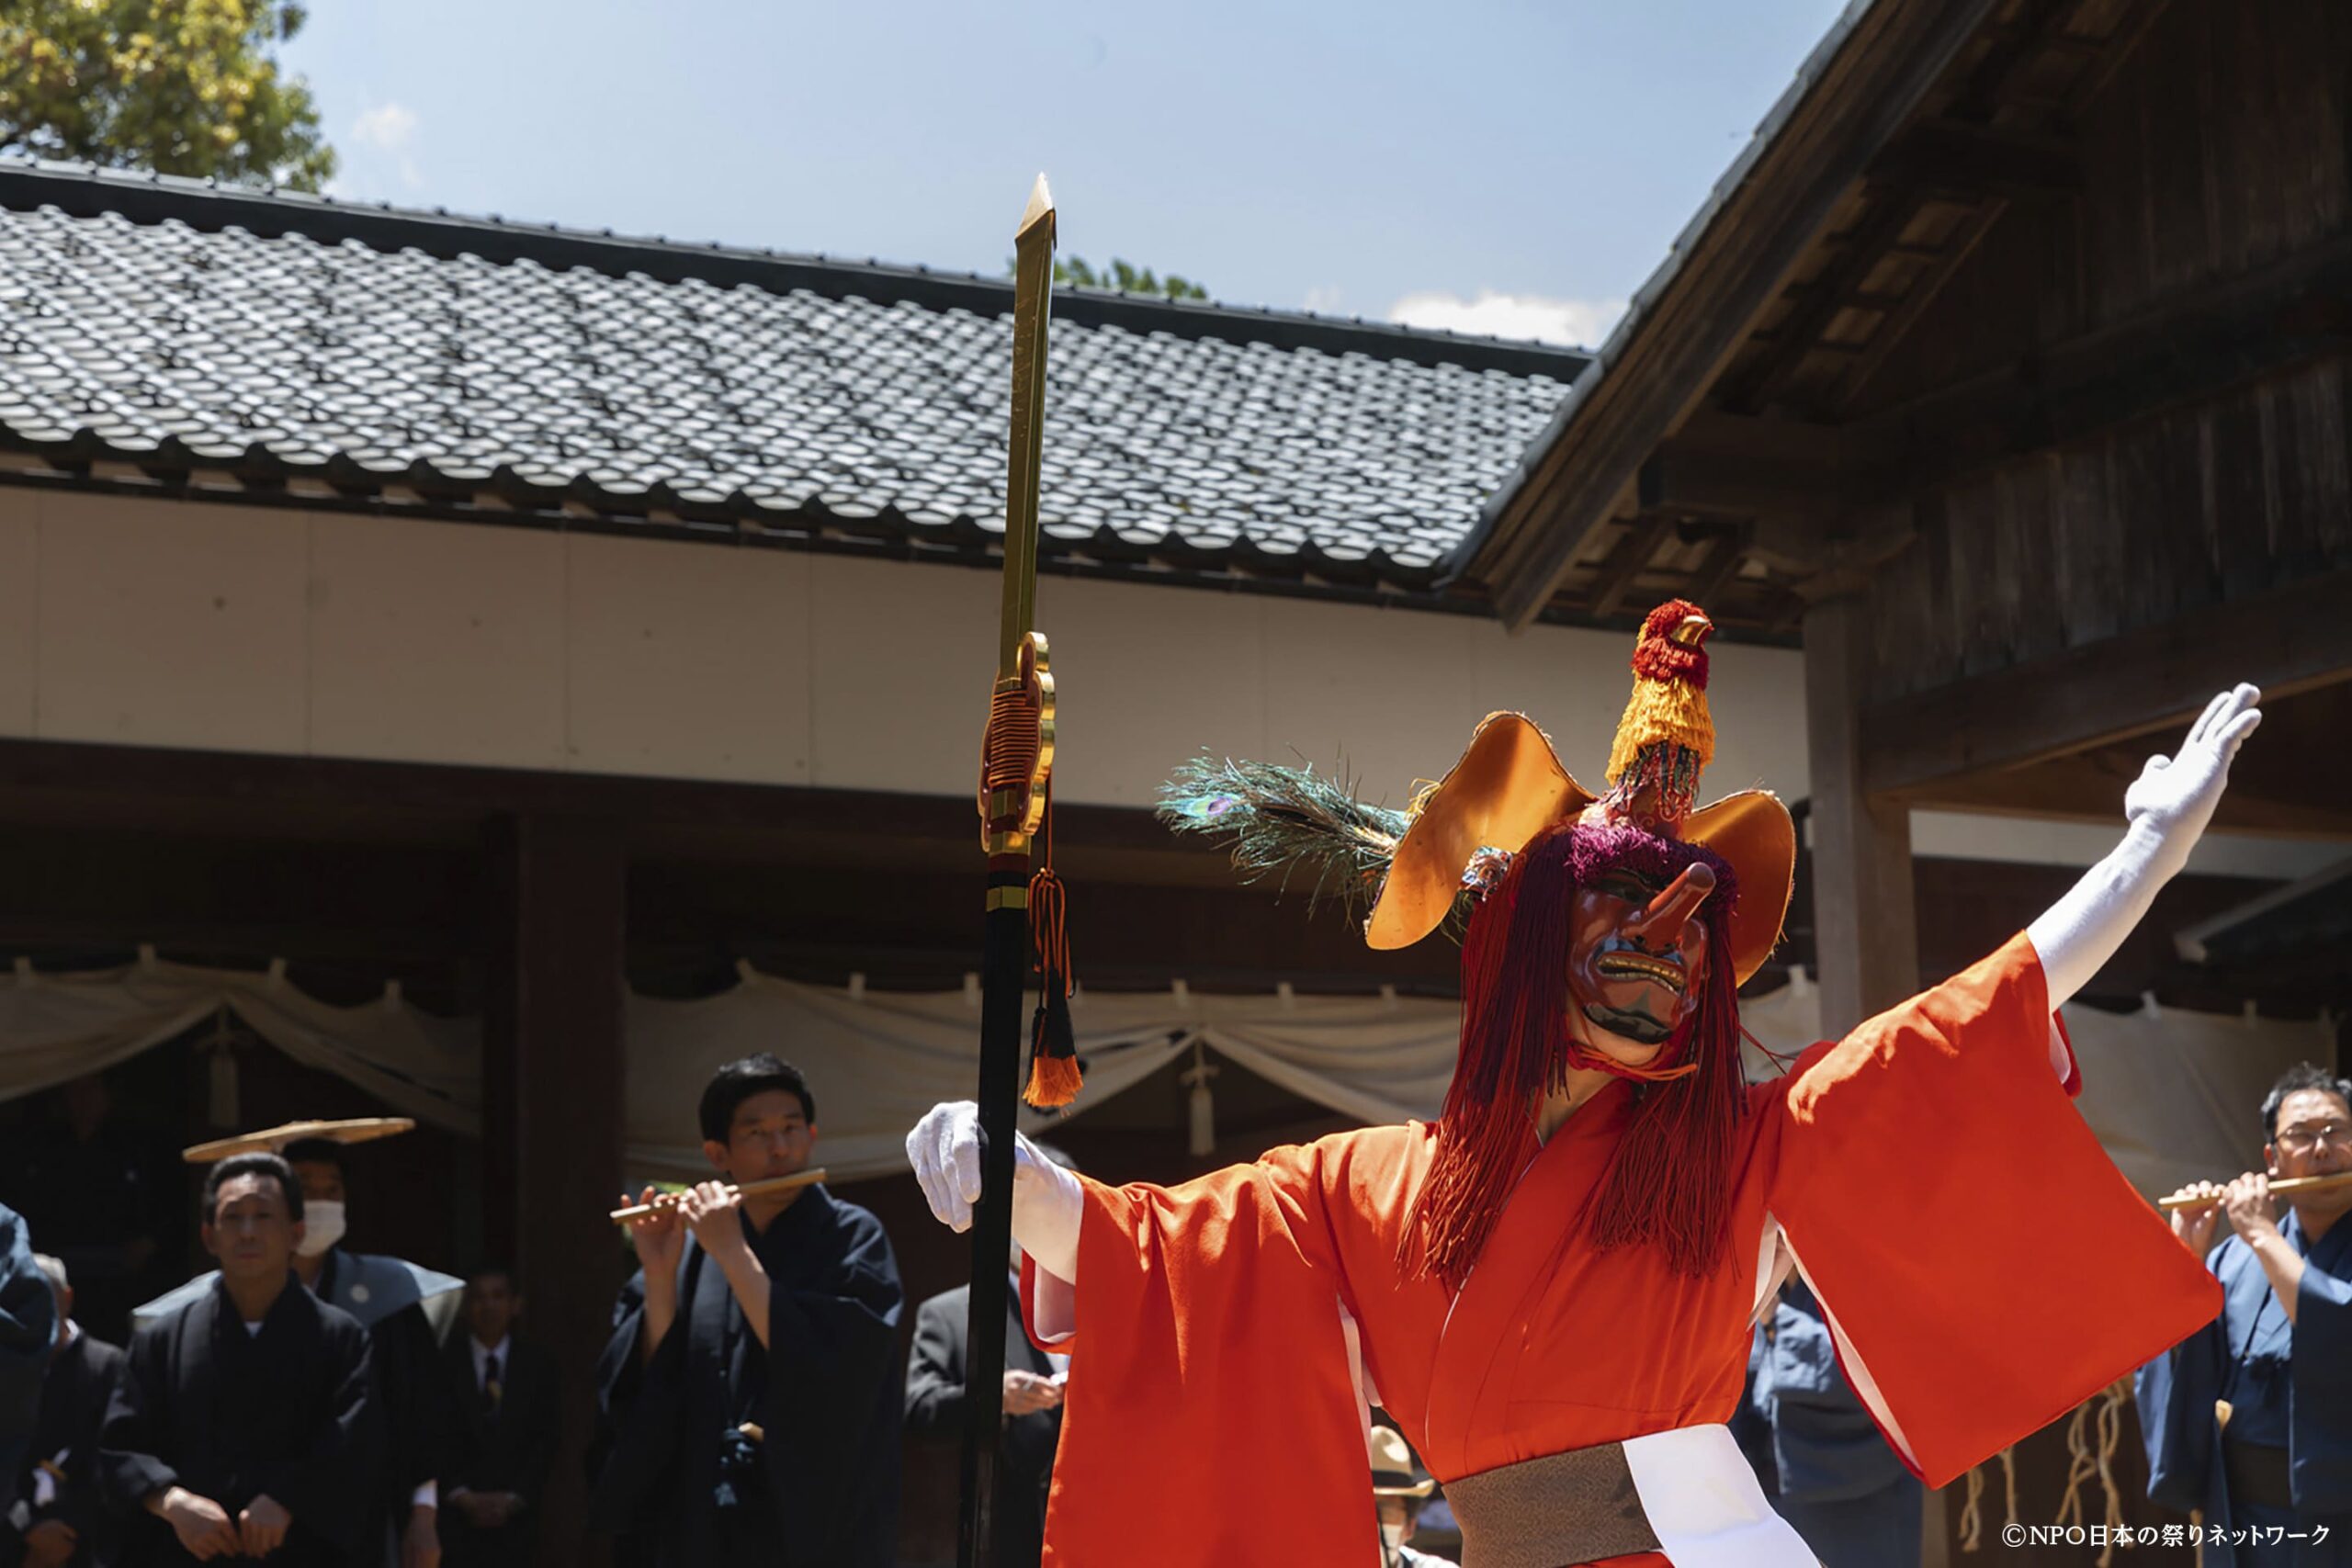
(1004, 968)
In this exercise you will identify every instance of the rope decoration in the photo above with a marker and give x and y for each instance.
(2095, 1456)
(1009, 744)
(1971, 1516)
(2110, 1432)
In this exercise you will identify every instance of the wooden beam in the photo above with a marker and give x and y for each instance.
(2090, 787)
(2192, 347)
(1692, 483)
(1858, 254)
(1859, 94)
(1981, 161)
(1628, 561)
(1722, 562)
(1957, 247)
(2295, 639)
(1864, 907)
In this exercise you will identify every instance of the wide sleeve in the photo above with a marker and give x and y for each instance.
(331, 1489)
(1983, 1265)
(641, 1406)
(79, 1503)
(134, 1434)
(833, 1347)
(1208, 1361)
(934, 1374)
(2321, 1390)
(2176, 1392)
(420, 1407)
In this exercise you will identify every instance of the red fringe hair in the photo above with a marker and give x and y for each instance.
(1668, 1181)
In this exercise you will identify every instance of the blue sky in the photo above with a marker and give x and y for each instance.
(1512, 167)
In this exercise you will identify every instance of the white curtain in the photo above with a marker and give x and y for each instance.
(2173, 1095)
(876, 1062)
(55, 1027)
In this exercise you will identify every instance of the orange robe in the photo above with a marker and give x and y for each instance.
(1978, 1253)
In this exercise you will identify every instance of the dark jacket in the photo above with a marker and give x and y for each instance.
(935, 1406)
(73, 1395)
(289, 1414)
(506, 1446)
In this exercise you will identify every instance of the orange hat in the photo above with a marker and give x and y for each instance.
(1510, 786)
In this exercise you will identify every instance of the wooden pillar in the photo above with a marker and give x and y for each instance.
(1865, 911)
(1865, 920)
(552, 1125)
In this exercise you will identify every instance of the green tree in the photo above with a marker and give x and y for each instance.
(183, 86)
(1073, 272)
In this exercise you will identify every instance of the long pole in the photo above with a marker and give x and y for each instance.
(1010, 810)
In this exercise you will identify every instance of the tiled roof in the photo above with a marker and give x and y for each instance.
(179, 328)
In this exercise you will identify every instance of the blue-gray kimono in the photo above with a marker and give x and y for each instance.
(2289, 1387)
(1840, 1484)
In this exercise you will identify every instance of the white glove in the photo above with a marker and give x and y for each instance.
(2168, 807)
(1048, 1205)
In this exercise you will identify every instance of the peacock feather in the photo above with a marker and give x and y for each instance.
(1288, 823)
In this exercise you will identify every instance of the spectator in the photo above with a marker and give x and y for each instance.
(243, 1423)
(405, 1308)
(1399, 1488)
(1032, 1404)
(749, 1408)
(2250, 1418)
(506, 1433)
(58, 1520)
(28, 1330)
(103, 1198)
(1836, 1479)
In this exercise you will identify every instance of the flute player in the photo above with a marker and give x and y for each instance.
(2250, 1418)
(748, 1400)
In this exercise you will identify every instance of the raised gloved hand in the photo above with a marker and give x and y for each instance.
(2174, 797)
(1048, 1205)
(2168, 807)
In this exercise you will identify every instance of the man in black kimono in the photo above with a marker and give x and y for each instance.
(748, 1397)
(405, 1309)
(242, 1424)
(506, 1434)
(1033, 1404)
(59, 1520)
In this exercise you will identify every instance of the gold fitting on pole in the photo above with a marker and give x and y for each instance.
(1008, 899)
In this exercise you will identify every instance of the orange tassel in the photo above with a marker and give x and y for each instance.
(1054, 1081)
(1055, 1077)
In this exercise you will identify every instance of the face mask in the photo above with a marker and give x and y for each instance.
(1393, 1538)
(322, 1228)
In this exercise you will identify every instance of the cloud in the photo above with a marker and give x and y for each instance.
(1577, 323)
(388, 127)
(1324, 298)
(389, 130)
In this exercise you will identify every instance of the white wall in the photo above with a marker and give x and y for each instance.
(284, 631)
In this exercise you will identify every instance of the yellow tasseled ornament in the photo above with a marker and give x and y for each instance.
(1669, 699)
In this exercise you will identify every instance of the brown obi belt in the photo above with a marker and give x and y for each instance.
(1555, 1511)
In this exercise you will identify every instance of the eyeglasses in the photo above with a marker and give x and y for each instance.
(2303, 1140)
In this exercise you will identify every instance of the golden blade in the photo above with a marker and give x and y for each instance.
(1032, 292)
